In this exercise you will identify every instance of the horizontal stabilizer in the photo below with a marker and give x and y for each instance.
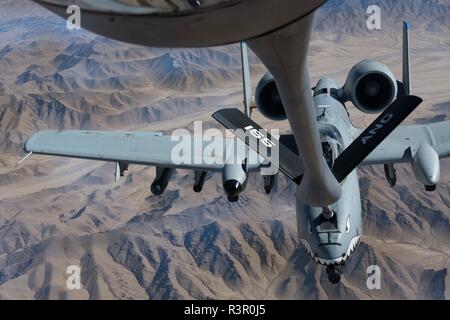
(287, 161)
(374, 135)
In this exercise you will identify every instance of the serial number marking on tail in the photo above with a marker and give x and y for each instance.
(258, 135)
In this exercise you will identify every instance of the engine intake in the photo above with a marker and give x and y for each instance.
(268, 99)
(371, 86)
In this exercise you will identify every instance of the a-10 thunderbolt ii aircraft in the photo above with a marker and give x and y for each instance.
(324, 149)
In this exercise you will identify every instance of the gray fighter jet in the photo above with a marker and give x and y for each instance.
(322, 154)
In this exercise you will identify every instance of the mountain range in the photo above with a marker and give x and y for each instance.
(132, 245)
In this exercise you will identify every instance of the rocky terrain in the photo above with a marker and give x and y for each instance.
(57, 212)
(346, 19)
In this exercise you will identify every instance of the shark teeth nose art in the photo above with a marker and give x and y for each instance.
(329, 262)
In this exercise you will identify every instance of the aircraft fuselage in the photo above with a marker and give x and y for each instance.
(331, 234)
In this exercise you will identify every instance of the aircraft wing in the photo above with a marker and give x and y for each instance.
(403, 142)
(142, 148)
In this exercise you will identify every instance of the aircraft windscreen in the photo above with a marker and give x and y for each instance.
(328, 131)
(332, 143)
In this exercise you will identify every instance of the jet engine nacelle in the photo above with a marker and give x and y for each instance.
(370, 86)
(268, 99)
(234, 181)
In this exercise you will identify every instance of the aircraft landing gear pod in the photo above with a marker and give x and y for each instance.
(426, 166)
(234, 180)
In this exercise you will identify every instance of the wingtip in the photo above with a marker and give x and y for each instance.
(27, 145)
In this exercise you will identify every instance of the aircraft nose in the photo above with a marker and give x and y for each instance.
(327, 238)
(330, 248)
(330, 254)
(336, 253)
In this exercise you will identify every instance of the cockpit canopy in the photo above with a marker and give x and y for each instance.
(332, 143)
